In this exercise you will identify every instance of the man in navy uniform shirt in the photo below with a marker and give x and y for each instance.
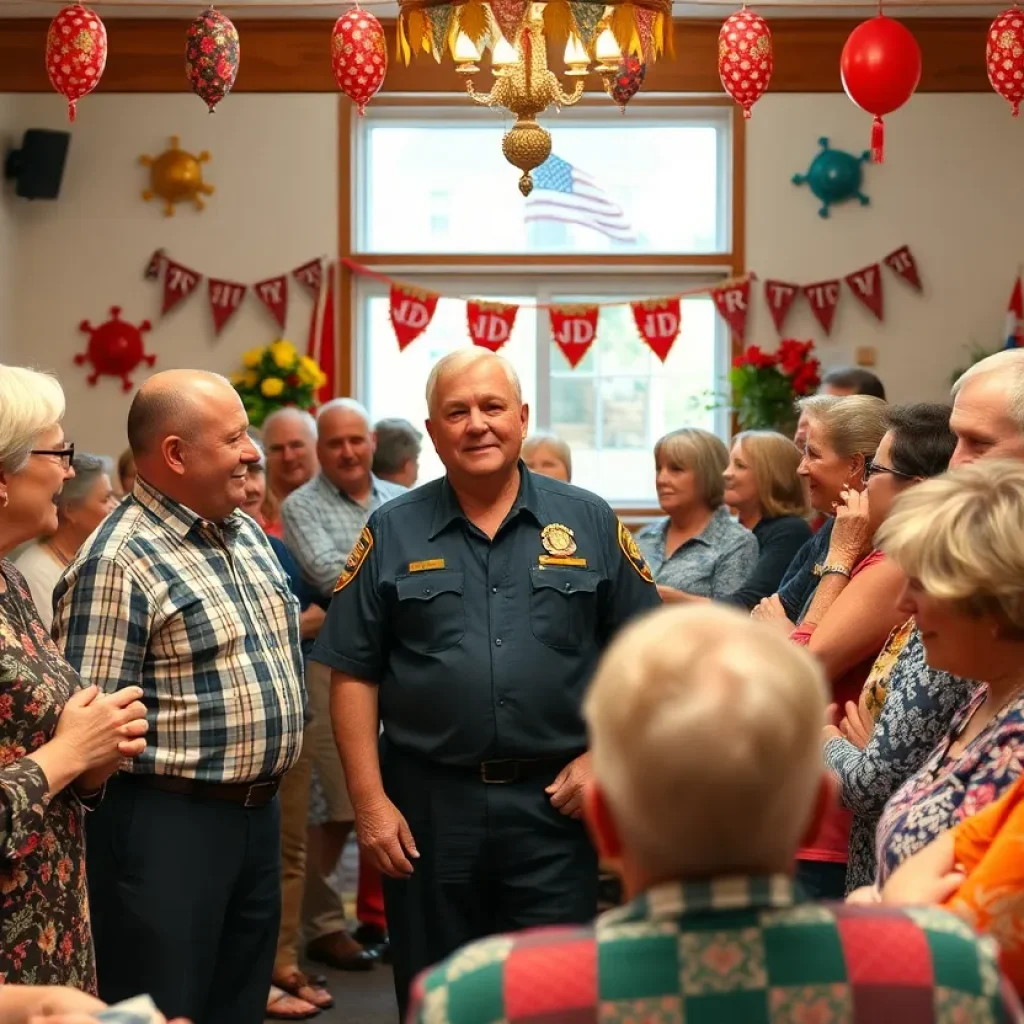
(469, 618)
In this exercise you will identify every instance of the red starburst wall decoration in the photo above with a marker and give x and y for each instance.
(745, 57)
(76, 53)
(115, 348)
(211, 56)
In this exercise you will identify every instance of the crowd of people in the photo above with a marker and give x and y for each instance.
(784, 714)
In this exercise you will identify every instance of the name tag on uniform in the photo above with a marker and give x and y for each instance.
(556, 560)
(432, 563)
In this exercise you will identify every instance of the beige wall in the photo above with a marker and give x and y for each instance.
(274, 165)
(950, 189)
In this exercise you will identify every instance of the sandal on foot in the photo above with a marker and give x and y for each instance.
(283, 1005)
(311, 990)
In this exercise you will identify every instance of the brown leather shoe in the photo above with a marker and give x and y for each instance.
(340, 951)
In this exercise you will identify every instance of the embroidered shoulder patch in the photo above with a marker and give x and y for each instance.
(355, 559)
(632, 552)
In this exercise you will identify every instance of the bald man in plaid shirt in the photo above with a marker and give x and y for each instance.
(180, 593)
(705, 735)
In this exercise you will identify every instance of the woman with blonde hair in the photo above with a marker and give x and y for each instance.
(61, 742)
(698, 548)
(548, 455)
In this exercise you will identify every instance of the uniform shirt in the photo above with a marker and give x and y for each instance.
(726, 951)
(322, 523)
(201, 617)
(483, 648)
(713, 564)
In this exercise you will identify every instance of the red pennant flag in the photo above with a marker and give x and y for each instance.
(323, 336)
(658, 321)
(155, 265)
(490, 323)
(225, 298)
(823, 297)
(780, 296)
(273, 293)
(866, 284)
(732, 304)
(574, 329)
(179, 284)
(411, 312)
(311, 275)
(902, 261)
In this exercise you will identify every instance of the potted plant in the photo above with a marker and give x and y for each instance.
(766, 385)
(277, 376)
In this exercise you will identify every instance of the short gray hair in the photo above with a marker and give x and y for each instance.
(289, 412)
(1010, 365)
(398, 441)
(853, 424)
(561, 448)
(88, 469)
(347, 405)
(30, 402)
(463, 359)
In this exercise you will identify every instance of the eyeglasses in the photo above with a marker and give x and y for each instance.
(873, 467)
(65, 454)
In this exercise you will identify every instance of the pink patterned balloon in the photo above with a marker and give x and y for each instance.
(745, 58)
(358, 56)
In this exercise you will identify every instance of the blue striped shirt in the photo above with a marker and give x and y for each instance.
(200, 616)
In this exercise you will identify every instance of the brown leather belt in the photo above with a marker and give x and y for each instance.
(498, 773)
(248, 794)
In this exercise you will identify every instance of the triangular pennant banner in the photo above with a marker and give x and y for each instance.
(510, 16)
(155, 265)
(310, 275)
(903, 263)
(658, 321)
(823, 297)
(440, 25)
(866, 284)
(225, 298)
(490, 323)
(587, 17)
(732, 303)
(780, 297)
(573, 329)
(411, 311)
(273, 293)
(645, 31)
(179, 284)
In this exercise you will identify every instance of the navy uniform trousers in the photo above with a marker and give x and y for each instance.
(493, 858)
(185, 900)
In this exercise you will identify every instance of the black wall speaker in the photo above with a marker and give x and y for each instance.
(37, 168)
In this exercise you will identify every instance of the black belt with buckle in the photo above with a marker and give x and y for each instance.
(500, 773)
(249, 794)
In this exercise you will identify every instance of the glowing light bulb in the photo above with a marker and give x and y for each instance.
(466, 51)
(606, 49)
(504, 54)
(576, 58)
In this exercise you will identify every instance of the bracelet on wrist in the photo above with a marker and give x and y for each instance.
(832, 569)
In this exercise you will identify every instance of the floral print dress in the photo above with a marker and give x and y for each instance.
(45, 937)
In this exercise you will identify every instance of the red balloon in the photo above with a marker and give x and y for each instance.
(1004, 57)
(881, 66)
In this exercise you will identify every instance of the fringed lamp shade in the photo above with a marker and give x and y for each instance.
(642, 28)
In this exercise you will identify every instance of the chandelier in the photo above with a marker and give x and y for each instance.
(517, 33)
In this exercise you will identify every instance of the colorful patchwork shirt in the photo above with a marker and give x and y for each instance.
(726, 951)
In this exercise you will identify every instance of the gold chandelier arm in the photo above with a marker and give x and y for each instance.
(567, 99)
(484, 99)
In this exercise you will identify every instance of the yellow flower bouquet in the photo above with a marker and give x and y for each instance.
(277, 376)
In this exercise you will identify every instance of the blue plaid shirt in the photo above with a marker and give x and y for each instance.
(201, 617)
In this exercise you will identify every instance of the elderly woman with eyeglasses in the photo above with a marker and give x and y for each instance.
(58, 742)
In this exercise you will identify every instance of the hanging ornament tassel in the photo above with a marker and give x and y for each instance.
(877, 141)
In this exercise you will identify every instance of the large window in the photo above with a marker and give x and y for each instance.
(434, 183)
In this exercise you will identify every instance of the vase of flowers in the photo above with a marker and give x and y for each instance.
(277, 376)
(766, 385)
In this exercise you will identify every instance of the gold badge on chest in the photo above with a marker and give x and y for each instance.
(558, 540)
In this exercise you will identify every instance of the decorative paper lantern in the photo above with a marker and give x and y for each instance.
(358, 56)
(76, 53)
(1004, 56)
(211, 56)
(745, 58)
(881, 66)
(627, 81)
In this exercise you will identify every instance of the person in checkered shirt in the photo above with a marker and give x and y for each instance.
(705, 735)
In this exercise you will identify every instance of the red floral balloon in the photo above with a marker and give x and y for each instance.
(1004, 56)
(76, 53)
(745, 57)
(359, 58)
(881, 66)
(627, 81)
(211, 56)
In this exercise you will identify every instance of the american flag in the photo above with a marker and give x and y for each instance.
(568, 195)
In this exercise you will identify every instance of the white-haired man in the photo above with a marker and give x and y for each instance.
(706, 775)
(470, 615)
(289, 438)
(322, 520)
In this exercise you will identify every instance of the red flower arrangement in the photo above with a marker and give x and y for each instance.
(766, 385)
